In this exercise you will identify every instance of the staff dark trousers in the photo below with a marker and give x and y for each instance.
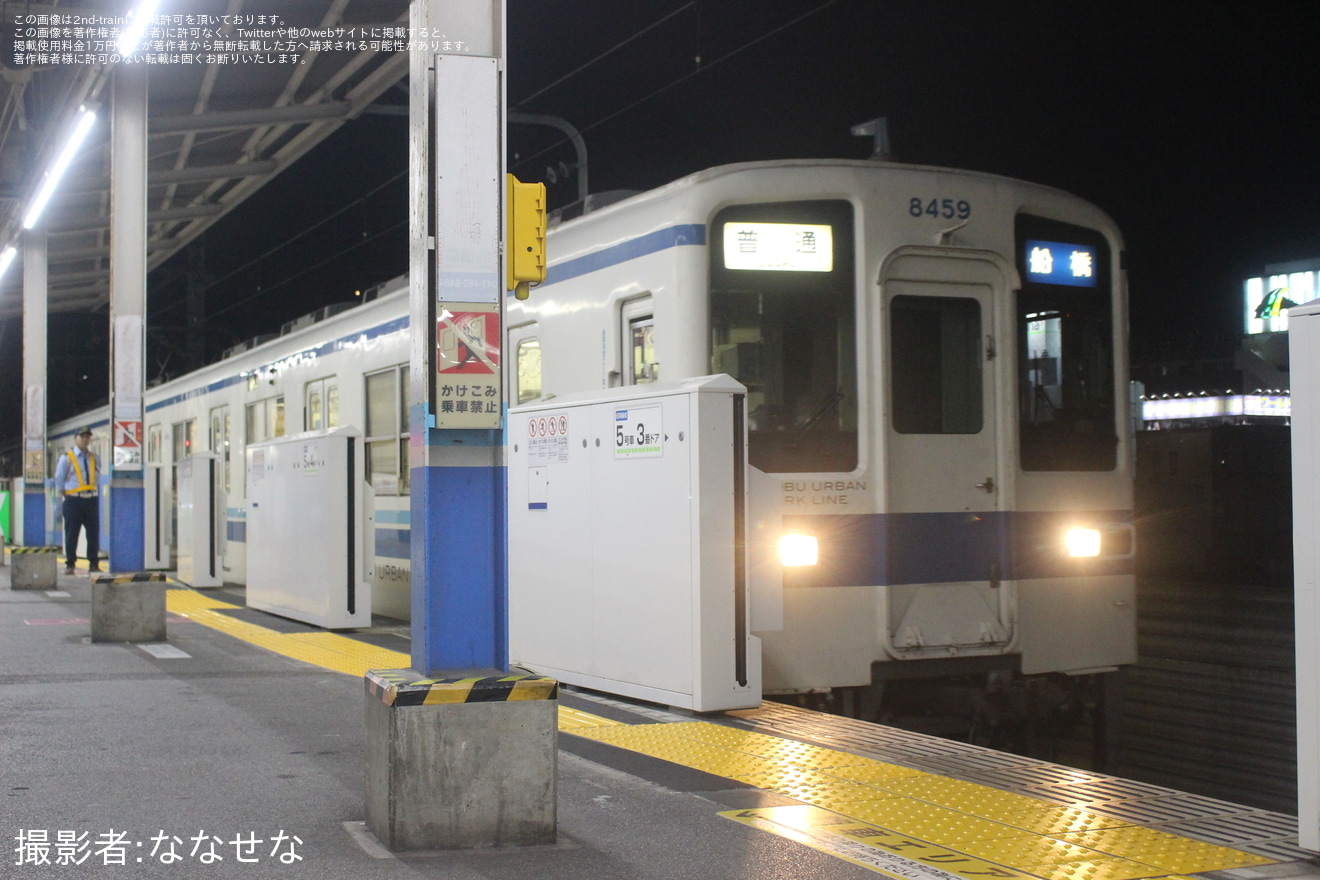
(82, 513)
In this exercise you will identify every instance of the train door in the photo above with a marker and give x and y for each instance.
(944, 485)
(321, 404)
(184, 435)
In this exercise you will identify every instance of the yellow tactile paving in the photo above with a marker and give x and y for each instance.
(1059, 820)
(1032, 849)
(1163, 850)
(1036, 837)
(1029, 836)
(575, 720)
(324, 649)
(1099, 869)
(876, 773)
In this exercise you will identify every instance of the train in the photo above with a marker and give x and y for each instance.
(936, 371)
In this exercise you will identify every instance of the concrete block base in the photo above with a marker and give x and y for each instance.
(461, 763)
(34, 568)
(128, 608)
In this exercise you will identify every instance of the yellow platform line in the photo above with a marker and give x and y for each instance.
(325, 649)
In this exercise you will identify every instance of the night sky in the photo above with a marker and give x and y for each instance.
(1193, 125)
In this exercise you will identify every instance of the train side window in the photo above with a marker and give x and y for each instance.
(265, 419)
(387, 430)
(529, 370)
(256, 422)
(185, 439)
(935, 364)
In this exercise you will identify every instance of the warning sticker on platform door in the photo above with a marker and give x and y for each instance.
(547, 439)
(881, 850)
(637, 433)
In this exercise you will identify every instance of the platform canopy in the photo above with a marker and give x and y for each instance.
(228, 111)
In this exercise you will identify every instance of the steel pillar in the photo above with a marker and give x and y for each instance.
(459, 586)
(34, 388)
(128, 302)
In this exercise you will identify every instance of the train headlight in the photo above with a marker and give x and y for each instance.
(796, 550)
(1083, 542)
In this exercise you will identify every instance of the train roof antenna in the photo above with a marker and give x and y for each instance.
(878, 129)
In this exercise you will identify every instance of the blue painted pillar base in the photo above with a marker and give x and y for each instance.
(126, 527)
(459, 599)
(34, 518)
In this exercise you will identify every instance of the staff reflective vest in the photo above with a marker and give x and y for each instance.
(86, 483)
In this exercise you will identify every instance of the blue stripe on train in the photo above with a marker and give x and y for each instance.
(641, 246)
(393, 543)
(920, 548)
(934, 548)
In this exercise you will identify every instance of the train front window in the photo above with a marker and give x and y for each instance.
(1065, 348)
(783, 323)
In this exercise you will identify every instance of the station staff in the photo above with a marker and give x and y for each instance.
(75, 475)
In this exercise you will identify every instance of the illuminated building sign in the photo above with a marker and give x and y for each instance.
(1054, 262)
(779, 247)
(1268, 299)
(1186, 408)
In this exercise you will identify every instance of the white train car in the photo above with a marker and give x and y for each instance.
(329, 369)
(936, 368)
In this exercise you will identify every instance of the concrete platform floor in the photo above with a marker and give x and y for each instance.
(124, 753)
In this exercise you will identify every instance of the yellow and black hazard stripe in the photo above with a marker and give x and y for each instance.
(403, 687)
(21, 551)
(138, 577)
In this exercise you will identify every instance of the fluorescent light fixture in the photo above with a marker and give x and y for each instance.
(57, 170)
(131, 39)
(1083, 542)
(797, 550)
(6, 258)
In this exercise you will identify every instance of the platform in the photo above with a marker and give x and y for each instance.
(237, 748)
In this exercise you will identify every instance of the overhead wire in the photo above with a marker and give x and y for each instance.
(277, 248)
(616, 47)
(576, 71)
(684, 78)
